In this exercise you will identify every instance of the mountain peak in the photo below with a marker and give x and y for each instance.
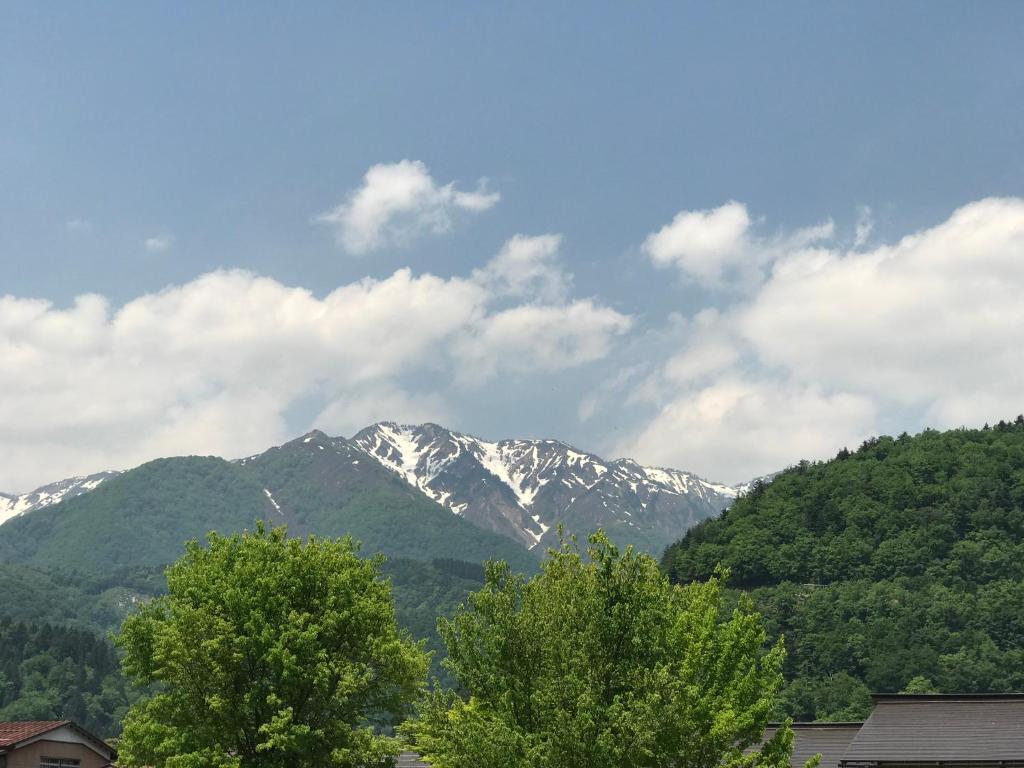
(525, 488)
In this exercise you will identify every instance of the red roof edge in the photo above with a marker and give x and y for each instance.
(13, 734)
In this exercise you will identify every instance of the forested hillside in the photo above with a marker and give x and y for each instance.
(898, 565)
(143, 517)
(53, 672)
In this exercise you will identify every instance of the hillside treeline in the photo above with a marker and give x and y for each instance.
(896, 566)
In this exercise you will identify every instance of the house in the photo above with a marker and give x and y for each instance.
(52, 744)
(968, 730)
(920, 731)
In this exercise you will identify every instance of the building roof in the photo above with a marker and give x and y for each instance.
(941, 728)
(829, 739)
(810, 739)
(15, 733)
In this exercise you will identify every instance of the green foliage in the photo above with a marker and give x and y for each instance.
(140, 518)
(901, 561)
(920, 685)
(423, 591)
(90, 560)
(426, 591)
(600, 662)
(73, 599)
(51, 672)
(268, 652)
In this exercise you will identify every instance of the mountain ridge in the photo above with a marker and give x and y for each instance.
(526, 488)
(523, 489)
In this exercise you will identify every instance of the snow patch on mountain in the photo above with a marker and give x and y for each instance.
(14, 505)
(273, 502)
(525, 488)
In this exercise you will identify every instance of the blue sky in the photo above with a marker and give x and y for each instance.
(145, 146)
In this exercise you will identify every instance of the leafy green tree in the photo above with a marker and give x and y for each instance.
(599, 662)
(920, 684)
(268, 652)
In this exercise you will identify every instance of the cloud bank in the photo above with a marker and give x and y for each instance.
(214, 365)
(834, 345)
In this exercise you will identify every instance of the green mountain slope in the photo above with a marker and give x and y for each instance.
(899, 565)
(143, 517)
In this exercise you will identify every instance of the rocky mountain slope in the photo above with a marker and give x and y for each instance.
(526, 488)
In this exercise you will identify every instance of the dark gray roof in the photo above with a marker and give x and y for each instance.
(830, 739)
(937, 728)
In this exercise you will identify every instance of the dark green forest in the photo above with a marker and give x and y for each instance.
(50, 672)
(899, 566)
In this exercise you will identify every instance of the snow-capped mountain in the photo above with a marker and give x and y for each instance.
(522, 489)
(526, 488)
(12, 505)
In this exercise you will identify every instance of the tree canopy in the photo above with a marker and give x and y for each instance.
(50, 672)
(599, 662)
(268, 652)
(898, 566)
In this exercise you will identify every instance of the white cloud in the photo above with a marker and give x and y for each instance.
(735, 429)
(840, 344)
(711, 246)
(702, 243)
(865, 226)
(591, 404)
(527, 267)
(158, 243)
(399, 202)
(938, 315)
(346, 415)
(534, 337)
(213, 366)
(548, 332)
